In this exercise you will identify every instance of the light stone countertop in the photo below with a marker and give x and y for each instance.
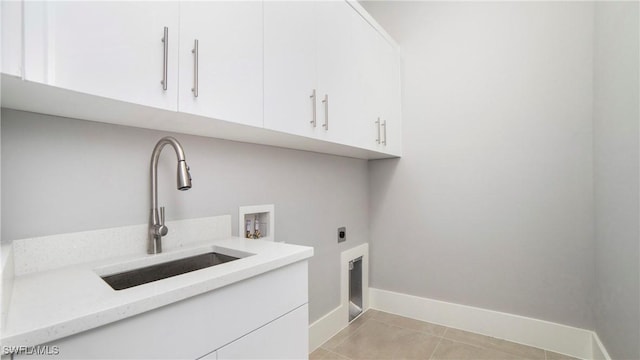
(54, 303)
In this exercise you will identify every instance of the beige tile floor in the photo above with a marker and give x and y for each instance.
(380, 335)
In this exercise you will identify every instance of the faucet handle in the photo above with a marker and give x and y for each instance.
(162, 229)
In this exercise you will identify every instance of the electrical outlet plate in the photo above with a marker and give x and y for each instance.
(342, 234)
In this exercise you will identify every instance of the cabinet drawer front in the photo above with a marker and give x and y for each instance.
(193, 327)
(280, 339)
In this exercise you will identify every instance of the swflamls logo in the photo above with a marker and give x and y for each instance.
(31, 350)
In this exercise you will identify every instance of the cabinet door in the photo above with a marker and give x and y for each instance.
(109, 49)
(371, 74)
(11, 31)
(379, 81)
(229, 35)
(290, 68)
(284, 338)
(337, 78)
(391, 101)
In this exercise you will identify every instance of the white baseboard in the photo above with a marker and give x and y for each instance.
(542, 334)
(324, 328)
(598, 350)
(576, 342)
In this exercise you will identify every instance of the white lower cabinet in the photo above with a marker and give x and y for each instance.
(280, 339)
(265, 316)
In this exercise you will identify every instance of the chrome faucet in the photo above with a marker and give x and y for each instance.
(157, 229)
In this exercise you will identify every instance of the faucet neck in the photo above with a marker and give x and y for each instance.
(157, 229)
(155, 155)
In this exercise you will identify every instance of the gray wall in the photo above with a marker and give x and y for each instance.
(492, 203)
(616, 114)
(63, 175)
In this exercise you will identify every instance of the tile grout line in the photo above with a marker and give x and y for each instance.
(347, 337)
(412, 329)
(407, 328)
(335, 353)
(498, 339)
(433, 352)
(483, 347)
(444, 335)
(427, 333)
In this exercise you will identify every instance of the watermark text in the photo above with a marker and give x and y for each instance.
(31, 350)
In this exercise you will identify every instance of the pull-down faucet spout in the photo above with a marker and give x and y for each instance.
(157, 229)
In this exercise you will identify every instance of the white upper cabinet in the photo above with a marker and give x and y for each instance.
(109, 49)
(291, 97)
(371, 75)
(309, 75)
(392, 110)
(309, 66)
(229, 60)
(379, 78)
(329, 75)
(337, 79)
(11, 31)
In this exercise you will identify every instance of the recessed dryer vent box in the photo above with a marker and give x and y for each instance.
(257, 222)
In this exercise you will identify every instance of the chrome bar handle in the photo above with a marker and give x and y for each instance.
(378, 124)
(165, 60)
(384, 125)
(313, 99)
(162, 215)
(326, 112)
(195, 68)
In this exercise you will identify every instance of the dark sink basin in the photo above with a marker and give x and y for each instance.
(131, 278)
